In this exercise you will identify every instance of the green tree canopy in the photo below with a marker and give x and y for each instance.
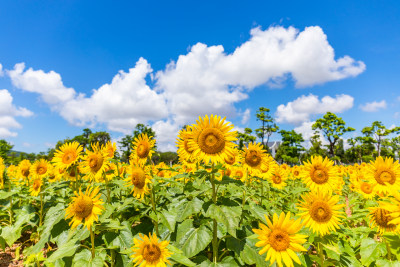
(268, 126)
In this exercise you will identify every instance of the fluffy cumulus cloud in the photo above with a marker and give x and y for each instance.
(373, 106)
(8, 112)
(301, 109)
(206, 80)
(245, 116)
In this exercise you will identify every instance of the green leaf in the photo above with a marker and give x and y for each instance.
(371, 250)
(246, 250)
(188, 208)
(177, 256)
(66, 250)
(386, 263)
(229, 216)
(109, 225)
(84, 258)
(168, 219)
(192, 240)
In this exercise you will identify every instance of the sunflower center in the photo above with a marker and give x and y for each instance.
(366, 188)
(385, 177)
(36, 185)
(238, 175)
(68, 157)
(95, 162)
(320, 212)
(279, 240)
(319, 176)
(41, 170)
(230, 159)
(211, 141)
(138, 177)
(296, 173)
(25, 173)
(227, 172)
(253, 158)
(143, 150)
(151, 253)
(277, 179)
(83, 206)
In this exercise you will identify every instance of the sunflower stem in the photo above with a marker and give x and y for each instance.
(92, 240)
(215, 225)
(262, 192)
(153, 203)
(321, 254)
(389, 255)
(41, 210)
(11, 211)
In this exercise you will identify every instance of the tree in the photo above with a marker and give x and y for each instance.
(316, 147)
(99, 137)
(378, 131)
(290, 148)
(126, 144)
(5, 149)
(141, 128)
(245, 138)
(333, 128)
(268, 126)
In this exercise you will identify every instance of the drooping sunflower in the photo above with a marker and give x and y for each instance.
(139, 178)
(319, 174)
(149, 251)
(381, 218)
(84, 206)
(36, 186)
(280, 239)
(385, 173)
(142, 147)
(95, 162)
(39, 168)
(212, 139)
(321, 211)
(67, 155)
(253, 156)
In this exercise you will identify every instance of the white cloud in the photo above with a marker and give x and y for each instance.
(245, 116)
(301, 109)
(7, 113)
(206, 80)
(1, 70)
(166, 134)
(373, 106)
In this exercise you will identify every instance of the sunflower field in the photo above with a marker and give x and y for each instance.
(219, 206)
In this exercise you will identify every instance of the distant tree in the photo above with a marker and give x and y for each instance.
(316, 148)
(332, 127)
(378, 131)
(268, 126)
(126, 146)
(290, 149)
(99, 137)
(5, 149)
(245, 138)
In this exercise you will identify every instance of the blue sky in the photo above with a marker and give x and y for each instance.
(107, 65)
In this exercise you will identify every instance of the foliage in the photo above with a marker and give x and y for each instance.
(268, 126)
(290, 148)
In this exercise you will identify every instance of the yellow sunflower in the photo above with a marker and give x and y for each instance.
(366, 189)
(139, 178)
(238, 173)
(184, 152)
(110, 148)
(212, 139)
(278, 177)
(253, 156)
(320, 211)
(67, 155)
(84, 206)
(320, 174)
(393, 207)
(95, 163)
(2, 169)
(36, 186)
(381, 218)
(148, 251)
(39, 168)
(280, 239)
(385, 173)
(24, 167)
(142, 148)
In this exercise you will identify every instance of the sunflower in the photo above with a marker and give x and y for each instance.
(39, 168)
(148, 251)
(212, 139)
(95, 162)
(36, 186)
(51, 174)
(320, 211)
(238, 173)
(2, 169)
(110, 148)
(142, 147)
(393, 207)
(85, 206)
(67, 155)
(139, 178)
(385, 173)
(320, 174)
(24, 167)
(278, 177)
(381, 218)
(280, 239)
(184, 152)
(253, 156)
(366, 189)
